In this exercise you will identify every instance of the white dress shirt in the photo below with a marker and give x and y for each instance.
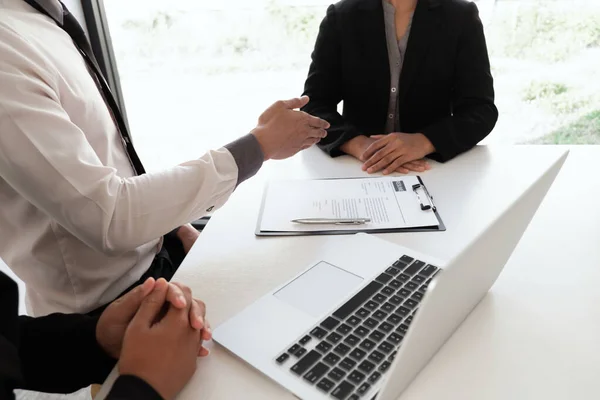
(76, 224)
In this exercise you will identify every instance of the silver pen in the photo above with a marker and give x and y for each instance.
(332, 221)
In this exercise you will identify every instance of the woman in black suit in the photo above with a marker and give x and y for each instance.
(414, 76)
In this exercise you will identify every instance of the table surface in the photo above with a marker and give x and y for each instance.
(536, 335)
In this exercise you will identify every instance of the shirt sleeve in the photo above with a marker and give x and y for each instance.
(48, 160)
(129, 387)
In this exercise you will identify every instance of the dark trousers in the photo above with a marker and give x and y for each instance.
(164, 265)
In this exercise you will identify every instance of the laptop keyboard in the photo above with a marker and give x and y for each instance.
(350, 350)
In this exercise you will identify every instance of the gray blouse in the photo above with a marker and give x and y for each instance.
(396, 51)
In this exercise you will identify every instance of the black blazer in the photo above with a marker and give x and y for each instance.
(57, 353)
(446, 88)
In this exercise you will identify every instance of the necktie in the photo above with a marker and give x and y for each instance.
(70, 25)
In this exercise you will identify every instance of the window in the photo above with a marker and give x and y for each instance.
(196, 74)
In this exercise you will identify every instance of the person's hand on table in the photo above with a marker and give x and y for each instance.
(161, 347)
(397, 152)
(283, 131)
(114, 321)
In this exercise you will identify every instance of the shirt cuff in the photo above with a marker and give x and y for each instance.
(130, 387)
(248, 156)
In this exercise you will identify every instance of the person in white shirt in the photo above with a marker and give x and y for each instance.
(79, 222)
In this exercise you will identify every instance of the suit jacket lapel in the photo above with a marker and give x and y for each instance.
(425, 23)
(52, 8)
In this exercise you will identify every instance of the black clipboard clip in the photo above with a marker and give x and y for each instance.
(424, 207)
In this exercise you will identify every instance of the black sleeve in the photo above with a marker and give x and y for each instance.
(474, 113)
(129, 387)
(324, 86)
(59, 353)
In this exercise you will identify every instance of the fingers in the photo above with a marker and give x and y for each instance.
(380, 159)
(315, 122)
(175, 296)
(152, 304)
(309, 143)
(395, 165)
(292, 104)
(374, 148)
(197, 314)
(125, 307)
(207, 331)
(384, 163)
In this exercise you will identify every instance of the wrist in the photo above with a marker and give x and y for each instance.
(354, 145)
(257, 133)
(426, 144)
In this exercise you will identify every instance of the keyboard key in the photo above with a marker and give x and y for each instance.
(392, 271)
(411, 286)
(334, 337)
(337, 374)
(388, 291)
(362, 313)
(363, 295)
(358, 354)
(326, 385)
(305, 339)
(394, 319)
(324, 347)
(410, 303)
(418, 279)
(367, 344)
(374, 377)
(380, 315)
(347, 364)
(344, 329)
(282, 358)
(417, 296)
(361, 331)
(351, 340)
(414, 268)
(388, 307)
(341, 349)
(306, 362)
(379, 298)
(353, 320)
(428, 270)
(364, 388)
(354, 397)
(402, 329)
(319, 333)
(409, 319)
(403, 278)
(343, 390)
(366, 366)
(330, 323)
(384, 278)
(395, 338)
(396, 284)
(300, 352)
(392, 356)
(386, 327)
(404, 292)
(331, 359)
(406, 259)
(371, 323)
(294, 349)
(376, 336)
(402, 311)
(384, 366)
(316, 373)
(356, 377)
(376, 356)
(371, 305)
(386, 347)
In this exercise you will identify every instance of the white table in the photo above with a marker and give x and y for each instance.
(535, 336)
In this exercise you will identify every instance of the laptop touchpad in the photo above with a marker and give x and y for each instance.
(319, 289)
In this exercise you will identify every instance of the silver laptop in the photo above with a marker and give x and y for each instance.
(368, 315)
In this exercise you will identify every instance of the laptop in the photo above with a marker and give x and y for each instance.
(368, 315)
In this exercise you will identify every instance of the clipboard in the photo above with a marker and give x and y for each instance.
(422, 196)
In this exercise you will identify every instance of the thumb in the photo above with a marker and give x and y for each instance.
(377, 136)
(152, 304)
(298, 102)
